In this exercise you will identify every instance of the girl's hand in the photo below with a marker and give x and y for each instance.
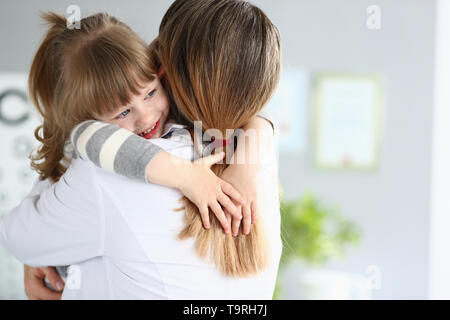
(206, 190)
(243, 178)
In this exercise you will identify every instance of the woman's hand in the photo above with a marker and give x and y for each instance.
(35, 288)
(243, 178)
(206, 190)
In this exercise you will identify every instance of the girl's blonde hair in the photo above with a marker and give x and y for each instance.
(222, 61)
(79, 74)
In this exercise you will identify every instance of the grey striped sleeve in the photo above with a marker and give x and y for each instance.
(114, 149)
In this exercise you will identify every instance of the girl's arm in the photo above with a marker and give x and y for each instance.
(120, 151)
(57, 224)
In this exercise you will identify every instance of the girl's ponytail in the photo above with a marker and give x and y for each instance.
(41, 84)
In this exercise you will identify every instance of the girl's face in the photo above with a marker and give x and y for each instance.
(146, 113)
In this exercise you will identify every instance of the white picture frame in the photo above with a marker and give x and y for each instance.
(347, 121)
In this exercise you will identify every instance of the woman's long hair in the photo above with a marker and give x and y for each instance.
(222, 61)
(79, 74)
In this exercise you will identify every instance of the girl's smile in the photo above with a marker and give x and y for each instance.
(150, 132)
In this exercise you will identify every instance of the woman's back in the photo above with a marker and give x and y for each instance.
(143, 259)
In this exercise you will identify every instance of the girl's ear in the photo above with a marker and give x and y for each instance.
(161, 72)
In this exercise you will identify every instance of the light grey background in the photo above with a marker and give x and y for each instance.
(392, 205)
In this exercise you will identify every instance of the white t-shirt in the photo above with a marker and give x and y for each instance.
(119, 236)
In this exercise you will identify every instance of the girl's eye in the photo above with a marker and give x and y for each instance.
(124, 114)
(150, 94)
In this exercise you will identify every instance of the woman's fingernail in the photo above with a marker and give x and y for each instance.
(59, 285)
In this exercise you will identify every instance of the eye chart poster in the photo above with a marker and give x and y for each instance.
(18, 120)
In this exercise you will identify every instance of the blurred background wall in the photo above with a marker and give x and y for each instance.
(392, 203)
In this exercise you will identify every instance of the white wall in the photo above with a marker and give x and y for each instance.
(440, 201)
(393, 204)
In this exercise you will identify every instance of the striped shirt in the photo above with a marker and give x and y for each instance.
(116, 149)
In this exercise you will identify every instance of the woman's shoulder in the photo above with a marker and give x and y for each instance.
(81, 174)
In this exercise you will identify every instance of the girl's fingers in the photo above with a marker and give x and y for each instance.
(215, 207)
(204, 214)
(41, 292)
(232, 193)
(254, 207)
(247, 219)
(53, 277)
(212, 159)
(228, 217)
(235, 224)
(229, 206)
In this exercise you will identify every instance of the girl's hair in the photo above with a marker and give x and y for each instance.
(79, 74)
(222, 61)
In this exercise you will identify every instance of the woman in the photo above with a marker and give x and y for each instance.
(144, 269)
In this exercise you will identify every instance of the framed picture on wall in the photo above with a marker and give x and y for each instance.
(347, 121)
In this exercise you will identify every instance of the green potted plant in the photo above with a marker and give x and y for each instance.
(313, 233)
